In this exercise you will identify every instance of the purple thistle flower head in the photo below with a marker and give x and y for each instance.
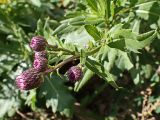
(29, 79)
(40, 64)
(38, 43)
(74, 73)
(41, 54)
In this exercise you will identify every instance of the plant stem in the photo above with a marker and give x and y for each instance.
(51, 69)
(55, 48)
(65, 61)
(72, 52)
(55, 53)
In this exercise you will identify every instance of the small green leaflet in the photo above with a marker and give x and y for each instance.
(93, 31)
(92, 4)
(99, 69)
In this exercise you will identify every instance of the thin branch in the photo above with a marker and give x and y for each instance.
(22, 115)
(51, 69)
(55, 48)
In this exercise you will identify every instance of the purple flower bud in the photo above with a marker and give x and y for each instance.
(29, 79)
(38, 43)
(41, 54)
(40, 64)
(74, 73)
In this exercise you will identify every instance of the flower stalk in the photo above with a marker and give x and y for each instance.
(55, 48)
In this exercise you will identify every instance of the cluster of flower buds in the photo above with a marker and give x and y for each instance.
(38, 44)
(33, 77)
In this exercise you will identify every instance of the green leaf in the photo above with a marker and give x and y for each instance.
(93, 31)
(5, 29)
(133, 45)
(36, 2)
(92, 4)
(78, 37)
(105, 8)
(148, 9)
(7, 105)
(157, 110)
(110, 58)
(147, 70)
(135, 74)
(99, 69)
(125, 44)
(115, 28)
(118, 44)
(136, 26)
(31, 99)
(148, 40)
(59, 28)
(57, 95)
(155, 78)
(73, 20)
(82, 57)
(112, 9)
(105, 53)
(86, 77)
(125, 39)
(123, 33)
(9, 100)
(14, 47)
(102, 7)
(146, 35)
(123, 62)
(39, 27)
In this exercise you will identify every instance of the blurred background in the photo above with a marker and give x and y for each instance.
(140, 98)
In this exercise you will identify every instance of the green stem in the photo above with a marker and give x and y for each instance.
(72, 52)
(55, 48)
(52, 52)
(66, 50)
(65, 61)
(53, 68)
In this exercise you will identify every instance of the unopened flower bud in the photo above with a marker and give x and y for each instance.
(29, 79)
(74, 73)
(40, 64)
(38, 43)
(41, 54)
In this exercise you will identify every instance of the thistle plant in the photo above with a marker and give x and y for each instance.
(103, 37)
(32, 78)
